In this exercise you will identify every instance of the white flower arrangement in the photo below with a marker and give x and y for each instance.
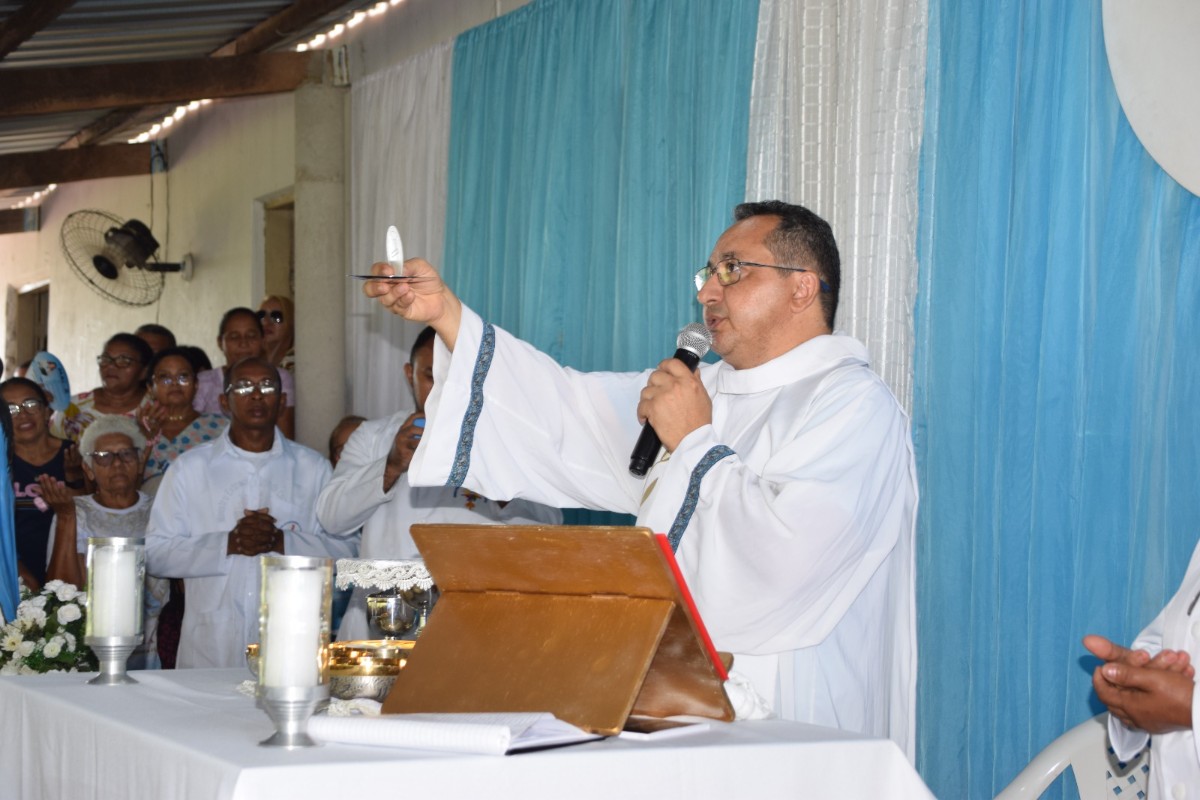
(47, 632)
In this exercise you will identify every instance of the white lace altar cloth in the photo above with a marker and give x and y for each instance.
(379, 574)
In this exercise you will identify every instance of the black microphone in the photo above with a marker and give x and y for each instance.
(693, 343)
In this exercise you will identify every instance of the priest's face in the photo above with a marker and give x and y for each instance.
(754, 320)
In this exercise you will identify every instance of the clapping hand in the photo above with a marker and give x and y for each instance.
(73, 465)
(151, 418)
(1150, 693)
(57, 495)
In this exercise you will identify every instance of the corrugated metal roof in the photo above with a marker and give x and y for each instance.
(104, 31)
(94, 32)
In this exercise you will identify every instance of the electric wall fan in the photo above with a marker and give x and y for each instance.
(117, 257)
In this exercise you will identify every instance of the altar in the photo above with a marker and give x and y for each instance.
(191, 734)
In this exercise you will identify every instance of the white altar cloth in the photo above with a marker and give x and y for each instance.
(190, 734)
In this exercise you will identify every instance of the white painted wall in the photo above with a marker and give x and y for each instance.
(220, 160)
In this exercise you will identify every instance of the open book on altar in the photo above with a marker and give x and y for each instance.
(485, 734)
(589, 623)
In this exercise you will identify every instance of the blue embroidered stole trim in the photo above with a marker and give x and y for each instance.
(466, 437)
(692, 497)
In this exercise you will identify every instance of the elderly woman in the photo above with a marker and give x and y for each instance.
(278, 317)
(171, 423)
(112, 449)
(122, 387)
(38, 458)
(241, 336)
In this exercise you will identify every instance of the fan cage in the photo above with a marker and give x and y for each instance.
(83, 238)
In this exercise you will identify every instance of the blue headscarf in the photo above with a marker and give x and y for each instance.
(48, 372)
(10, 592)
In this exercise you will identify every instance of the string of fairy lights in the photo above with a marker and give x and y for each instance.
(163, 127)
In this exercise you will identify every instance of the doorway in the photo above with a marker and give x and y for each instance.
(279, 261)
(33, 326)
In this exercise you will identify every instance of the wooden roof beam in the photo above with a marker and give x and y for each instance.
(77, 164)
(29, 92)
(266, 34)
(280, 27)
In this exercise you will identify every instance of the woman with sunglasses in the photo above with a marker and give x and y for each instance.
(39, 461)
(122, 387)
(171, 424)
(277, 315)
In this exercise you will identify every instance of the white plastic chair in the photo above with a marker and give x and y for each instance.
(1098, 773)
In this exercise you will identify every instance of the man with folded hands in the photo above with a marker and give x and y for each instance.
(224, 504)
(786, 483)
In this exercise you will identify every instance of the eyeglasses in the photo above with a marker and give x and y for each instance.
(121, 361)
(182, 379)
(104, 458)
(274, 316)
(29, 404)
(729, 272)
(245, 387)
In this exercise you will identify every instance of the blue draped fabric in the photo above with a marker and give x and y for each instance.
(1056, 390)
(10, 594)
(597, 148)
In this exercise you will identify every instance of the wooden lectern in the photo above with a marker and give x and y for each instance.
(590, 623)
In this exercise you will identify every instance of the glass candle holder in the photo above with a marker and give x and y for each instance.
(293, 648)
(116, 580)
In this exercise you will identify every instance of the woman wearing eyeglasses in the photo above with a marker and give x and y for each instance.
(39, 460)
(278, 316)
(171, 424)
(112, 448)
(122, 388)
(240, 336)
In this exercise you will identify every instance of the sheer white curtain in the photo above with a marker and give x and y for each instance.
(835, 124)
(400, 129)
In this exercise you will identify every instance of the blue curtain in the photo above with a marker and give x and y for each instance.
(597, 148)
(1055, 409)
(9, 590)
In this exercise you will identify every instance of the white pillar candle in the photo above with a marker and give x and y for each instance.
(292, 633)
(116, 597)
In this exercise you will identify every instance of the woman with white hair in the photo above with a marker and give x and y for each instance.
(112, 447)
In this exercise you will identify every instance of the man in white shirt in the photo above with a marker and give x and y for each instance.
(787, 481)
(370, 489)
(1150, 691)
(224, 504)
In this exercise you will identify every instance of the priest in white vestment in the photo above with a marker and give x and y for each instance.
(786, 482)
(223, 505)
(370, 489)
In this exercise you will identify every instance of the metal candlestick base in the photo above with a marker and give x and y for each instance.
(112, 652)
(289, 707)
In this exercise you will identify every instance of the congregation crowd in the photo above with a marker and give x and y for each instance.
(199, 460)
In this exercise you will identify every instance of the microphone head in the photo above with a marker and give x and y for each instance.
(695, 337)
